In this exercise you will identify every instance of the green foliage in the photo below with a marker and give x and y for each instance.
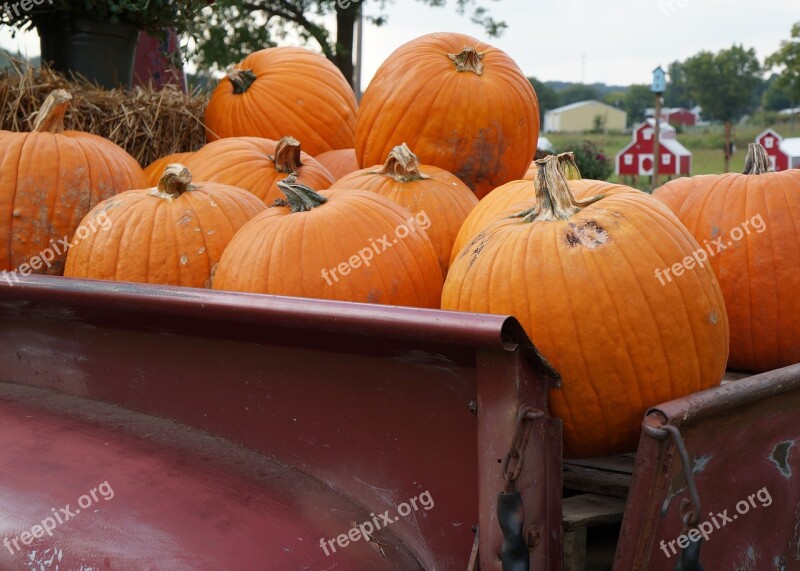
(548, 98)
(615, 99)
(677, 93)
(724, 84)
(637, 99)
(776, 97)
(788, 59)
(590, 158)
(150, 15)
(578, 92)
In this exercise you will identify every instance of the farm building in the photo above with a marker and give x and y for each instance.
(783, 153)
(580, 117)
(637, 157)
(676, 116)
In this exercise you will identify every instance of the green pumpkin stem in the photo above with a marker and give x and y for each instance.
(402, 165)
(757, 161)
(570, 167)
(175, 181)
(50, 118)
(300, 197)
(468, 60)
(241, 79)
(287, 155)
(554, 199)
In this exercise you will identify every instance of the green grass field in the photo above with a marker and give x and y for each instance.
(705, 143)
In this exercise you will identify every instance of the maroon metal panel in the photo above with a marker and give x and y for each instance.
(373, 401)
(742, 439)
(120, 490)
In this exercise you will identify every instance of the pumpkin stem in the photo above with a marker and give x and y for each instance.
(50, 118)
(402, 165)
(554, 199)
(241, 79)
(300, 197)
(174, 182)
(287, 155)
(468, 60)
(757, 161)
(567, 162)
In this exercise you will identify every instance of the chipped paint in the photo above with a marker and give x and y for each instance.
(780, 457)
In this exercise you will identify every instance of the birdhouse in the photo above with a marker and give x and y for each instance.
(659, 81)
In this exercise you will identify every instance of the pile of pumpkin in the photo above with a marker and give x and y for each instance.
(445, 133)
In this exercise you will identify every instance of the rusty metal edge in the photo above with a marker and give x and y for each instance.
(731, 395)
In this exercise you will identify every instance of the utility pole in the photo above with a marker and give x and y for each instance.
(658, 87)
(359, 52)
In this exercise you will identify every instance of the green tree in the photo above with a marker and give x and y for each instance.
(775, 97)
(637, 99)
(229, 30)
(787, 58)
(615, 99)
(677, 93)
(724, 85)
(578, 92)
(548, 97)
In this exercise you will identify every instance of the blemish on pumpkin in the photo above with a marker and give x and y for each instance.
(17, 213)
(589, 234)
(210, 232)
(714, 317)
(201, 250)
(184, 259)
(197, 229)
(184, 220)
(780, 457)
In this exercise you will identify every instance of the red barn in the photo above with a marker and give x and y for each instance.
(783, 153)
(679, 116)
(637, 157)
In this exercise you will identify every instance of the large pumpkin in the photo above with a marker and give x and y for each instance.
(173, 234)
(531, 172)
(284, 90)
(154, 170)
(461, 104)
(581, 278)
(49, 179)
(343, 244)
(515, 196)
(749, 228)
(436, 196)
(257, 165)
(339, 163)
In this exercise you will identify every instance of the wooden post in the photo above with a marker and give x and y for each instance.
(727, 146)
(657, 142)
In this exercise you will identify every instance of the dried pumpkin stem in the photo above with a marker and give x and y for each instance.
(241, 79)
(402, 165)
(554, 199)
(287, 155)
(175, 181)
(300, 197)
(468, 60)
(757, 161)
(570, 167)
(50, 118)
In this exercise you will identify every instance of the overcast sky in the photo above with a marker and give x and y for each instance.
(621, 40)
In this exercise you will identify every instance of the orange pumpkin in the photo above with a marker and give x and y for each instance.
(433, 194)
(154, 170)
(749, 228)
(173, 234)
(257, 165)
(284, 90)
(339, 163)
(531, 174)
(49, 180)
(580, 277)
(462, 105)
(516, 196)
(343, 244)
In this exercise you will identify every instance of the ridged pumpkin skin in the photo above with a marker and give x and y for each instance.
(481, 124)
(584, 289)
(283, 90)
(154, 170)
(257, 165)
(171, 235)
(436, 195)
(49, 180)
(759, 273)
(290, 251)
(339, 163)
(517, 195)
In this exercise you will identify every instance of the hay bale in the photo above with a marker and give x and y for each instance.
(147, 123)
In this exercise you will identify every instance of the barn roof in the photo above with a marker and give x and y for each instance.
(579, 104)
(791, 146)
(675, 148)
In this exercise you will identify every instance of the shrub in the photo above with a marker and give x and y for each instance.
(590, 158)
